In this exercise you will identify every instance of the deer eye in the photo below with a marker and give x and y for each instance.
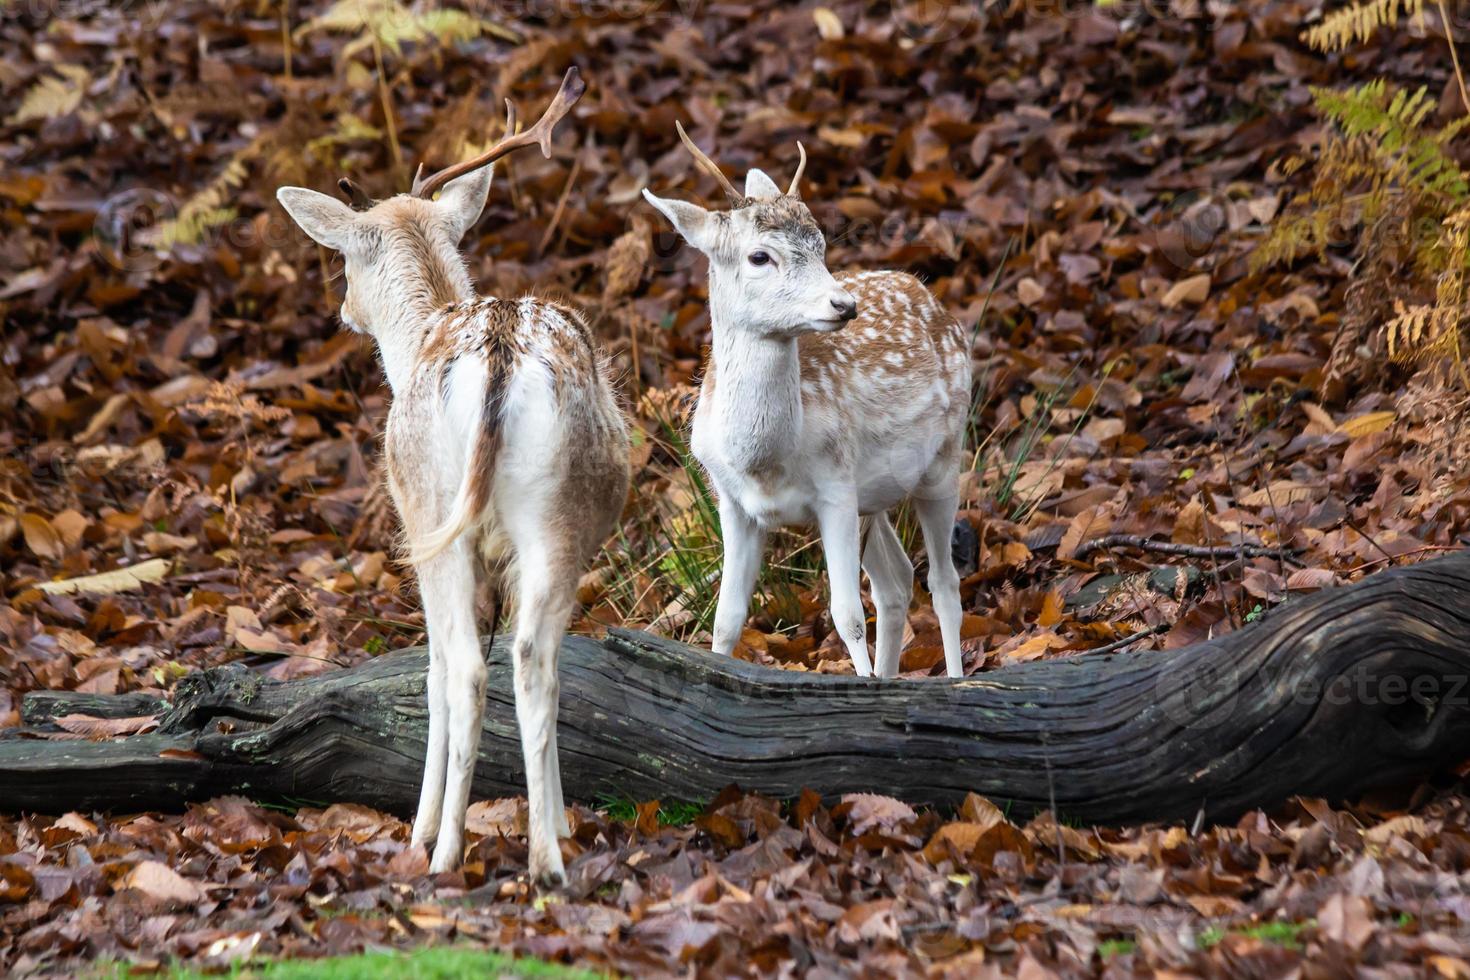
(759, 257)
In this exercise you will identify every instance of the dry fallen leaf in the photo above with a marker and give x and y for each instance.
(868, 811)
(1192, 291)
(118, 580)
(161, 883)
(829, 26)
(40, 536)
(1367, 423)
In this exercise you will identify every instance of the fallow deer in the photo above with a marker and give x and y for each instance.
(826, 399)
(506, 455)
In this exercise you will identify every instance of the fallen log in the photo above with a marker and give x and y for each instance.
(1331, 695)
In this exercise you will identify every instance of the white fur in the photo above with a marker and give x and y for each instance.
(839, 449)
(407, 286)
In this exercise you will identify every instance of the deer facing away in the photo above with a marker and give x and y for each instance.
(827, 399)
(506, 454)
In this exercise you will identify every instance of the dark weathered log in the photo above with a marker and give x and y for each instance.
(1332, 695)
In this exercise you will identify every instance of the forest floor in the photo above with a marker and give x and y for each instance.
(1084, 184)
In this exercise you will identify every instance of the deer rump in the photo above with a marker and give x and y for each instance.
(516, 389)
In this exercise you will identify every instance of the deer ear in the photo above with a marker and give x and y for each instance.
(689, 220)
(759, 186)
(463, 199)
(326, 219)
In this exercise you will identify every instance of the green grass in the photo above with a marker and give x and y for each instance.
(1284, 934)
(1109, 948)
(675, 555)
(671, 813)
(433, 963)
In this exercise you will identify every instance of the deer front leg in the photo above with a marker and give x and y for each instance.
(892, 575)
(841, 540)
(744, 541)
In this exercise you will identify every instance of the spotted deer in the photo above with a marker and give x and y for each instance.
(826, 399)
(506, 456)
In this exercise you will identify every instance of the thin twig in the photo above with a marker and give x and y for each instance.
(1444, 20)
(286, 37)
(1407, 554)
(1127, 640)
(1262, 468)
(329, 295)
(387, 101)
(561, 205)
(637, 357)
(1215, 564)
(1368, 537)
(1142, 543)
(994, 282)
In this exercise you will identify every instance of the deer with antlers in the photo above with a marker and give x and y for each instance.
(826, 399)
(506, 457)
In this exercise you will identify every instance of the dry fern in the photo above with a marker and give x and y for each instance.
(626, 261)
(208, 208)
(1386, 178)
(53, 96)
(1358, 22)
(1379, 167)
(1423, 333)
(393, 25)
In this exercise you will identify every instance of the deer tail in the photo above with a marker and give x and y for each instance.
(473, 496)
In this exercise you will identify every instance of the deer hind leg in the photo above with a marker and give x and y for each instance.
(936, 517)
(436, 756)
(841, 542)
(447, 583)
(553, 775)
(892, 575)
(558, 804)
(544, 605)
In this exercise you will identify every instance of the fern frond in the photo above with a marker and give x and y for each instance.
(1419, 332)
(1358, 22)
(395, 25)
(208, 208)
(53, 97)
(349, 129)
(1423, 332)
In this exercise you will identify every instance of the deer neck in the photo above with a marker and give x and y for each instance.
(757, 391)
(418, 288)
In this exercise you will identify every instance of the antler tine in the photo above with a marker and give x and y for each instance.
(709, 166)
(571, 90)
(795, 189)
(356, 196)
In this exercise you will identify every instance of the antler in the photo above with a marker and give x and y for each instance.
(709, 166)
(356, 196)
(795, 189)
(571, 90)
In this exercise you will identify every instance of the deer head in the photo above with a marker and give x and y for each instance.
(402, 253)
(767, 255)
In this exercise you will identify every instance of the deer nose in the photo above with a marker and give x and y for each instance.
(845, 306)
